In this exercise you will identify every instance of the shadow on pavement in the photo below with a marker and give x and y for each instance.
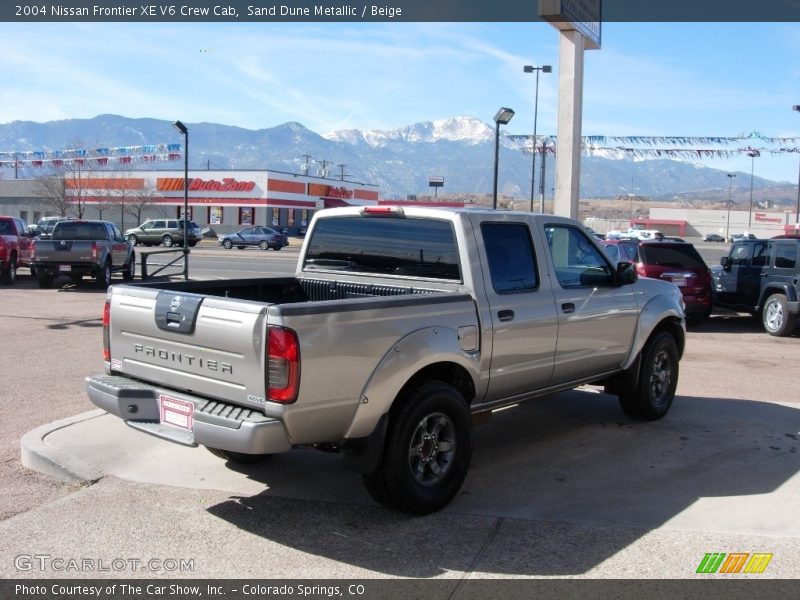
(556, 487)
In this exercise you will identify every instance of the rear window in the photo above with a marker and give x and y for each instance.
(387, 246)
(677, 255)
(68, 230)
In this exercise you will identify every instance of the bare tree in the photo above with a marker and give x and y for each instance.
(52, 189)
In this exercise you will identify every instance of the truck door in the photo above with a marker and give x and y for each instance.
(740, 278)
(523, 315)
(596, 318)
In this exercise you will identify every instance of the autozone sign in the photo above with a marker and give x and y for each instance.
(196, 184)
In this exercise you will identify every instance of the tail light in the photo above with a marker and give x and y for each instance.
(283, 365)
(94, 250)
(106, 331)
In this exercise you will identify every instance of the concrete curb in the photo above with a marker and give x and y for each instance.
(38, 455)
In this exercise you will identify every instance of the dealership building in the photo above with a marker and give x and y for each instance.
(223, 200)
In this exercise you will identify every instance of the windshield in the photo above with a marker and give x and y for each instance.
(391, 246)
(678, 255)
(67, 230)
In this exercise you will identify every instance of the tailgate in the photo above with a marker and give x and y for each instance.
(66, 251)
(206, 345)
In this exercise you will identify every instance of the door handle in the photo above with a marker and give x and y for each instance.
(506, 315)
(568, 307)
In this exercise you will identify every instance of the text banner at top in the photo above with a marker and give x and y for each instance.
(387, 11)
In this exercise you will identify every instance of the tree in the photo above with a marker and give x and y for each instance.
(52, 189)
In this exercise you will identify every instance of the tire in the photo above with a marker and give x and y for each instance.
(10, 273)
(45, 280)
(651, 396)
(776, 318)
(132, 240)
(240, 247)
(103, 276)
(238, 457)
(264, 245)
(192, 244)
(76, 277)
(276, 248)
(427, 451)
(167, 241)
(130, 269)
(227, 244)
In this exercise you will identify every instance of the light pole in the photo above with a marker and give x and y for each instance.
(531, 69)
(752, 154)
(796, 108)
(502, 117)
(730, 192)
(183, 129)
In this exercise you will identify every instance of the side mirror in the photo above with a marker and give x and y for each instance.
(626, 273)
(725, 262)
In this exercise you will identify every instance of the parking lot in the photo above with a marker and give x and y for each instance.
(565, 486)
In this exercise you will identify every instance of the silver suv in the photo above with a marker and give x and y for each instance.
(167, 232)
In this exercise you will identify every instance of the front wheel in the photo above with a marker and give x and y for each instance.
(651, 396)
(227, 244)
(777, 319)
(427, 452)
(237, 457)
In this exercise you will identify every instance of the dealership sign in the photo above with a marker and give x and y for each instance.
(196, 184)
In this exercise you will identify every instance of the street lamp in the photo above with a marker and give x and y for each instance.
(182, 129)
(531, 69)
(730, 192)
(752, 154)
(503, 116)
(796, 108)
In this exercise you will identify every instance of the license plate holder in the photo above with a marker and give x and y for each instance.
(177, 413)
(64, 268)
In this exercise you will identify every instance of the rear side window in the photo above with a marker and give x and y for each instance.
(786, 256)
(385, 245)
(679, 255)
(512, 265)
(67, 230)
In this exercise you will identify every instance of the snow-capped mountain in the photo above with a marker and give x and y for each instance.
(399, 161)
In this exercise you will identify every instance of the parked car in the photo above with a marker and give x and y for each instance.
(644, 234)
(263, 237)
(45, 225)
(762, 277)
(166, 232)
(78, 248)
(678, 262)
(713, 237)
(16, 243)
(738, 237)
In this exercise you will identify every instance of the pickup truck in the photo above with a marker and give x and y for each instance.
(77, 248)
(762, 277)
(16, 242)
(401, 326)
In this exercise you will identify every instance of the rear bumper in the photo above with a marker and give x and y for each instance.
(53, 268)
(215, 424)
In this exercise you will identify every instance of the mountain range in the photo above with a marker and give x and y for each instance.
(399, 161)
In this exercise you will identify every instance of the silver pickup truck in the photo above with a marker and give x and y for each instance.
(77, 248)
(399, 326)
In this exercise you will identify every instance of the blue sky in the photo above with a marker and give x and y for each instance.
(648, 79)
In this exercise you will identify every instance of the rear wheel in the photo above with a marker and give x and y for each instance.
(167, 241)
(76, 277)
(103, 276)
(777, 319)
(264, 245)
(130, 269)
(238, 457)
(45, 280)
(10, 272)
(240, 247)
(651, 396)
(427, 452)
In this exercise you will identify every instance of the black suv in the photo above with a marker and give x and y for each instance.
(762, 277)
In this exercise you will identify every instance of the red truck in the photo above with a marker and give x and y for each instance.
(16, 245)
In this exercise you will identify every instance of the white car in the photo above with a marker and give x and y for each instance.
(645, 234)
